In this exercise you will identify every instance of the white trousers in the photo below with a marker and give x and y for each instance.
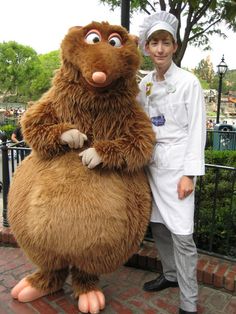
(179, 257)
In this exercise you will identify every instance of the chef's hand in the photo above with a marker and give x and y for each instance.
(90, 158)
(73, 138)
(185, 187)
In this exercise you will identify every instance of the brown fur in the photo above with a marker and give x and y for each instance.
(62, 213)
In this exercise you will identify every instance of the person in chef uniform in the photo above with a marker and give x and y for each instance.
(173, 99)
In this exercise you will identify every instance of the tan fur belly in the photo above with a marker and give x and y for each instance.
(83, 214)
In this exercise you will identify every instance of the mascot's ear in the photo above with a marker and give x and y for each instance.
(30, 103)
(75, 28)
(134, 38)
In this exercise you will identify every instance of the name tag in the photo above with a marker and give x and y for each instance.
(159, 120)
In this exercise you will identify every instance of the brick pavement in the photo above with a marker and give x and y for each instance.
(212, 271)
(122, 289)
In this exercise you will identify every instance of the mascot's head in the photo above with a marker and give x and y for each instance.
(100, 54)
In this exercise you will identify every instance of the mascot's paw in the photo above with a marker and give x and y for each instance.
(73, 138)
(91, 302)
(90, 158)
(24, 292)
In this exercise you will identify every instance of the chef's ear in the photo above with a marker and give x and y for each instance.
(147, 49)
(175, 47)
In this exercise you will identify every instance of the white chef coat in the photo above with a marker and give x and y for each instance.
(177, 110)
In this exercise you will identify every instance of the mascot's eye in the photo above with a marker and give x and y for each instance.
(115, 40)
(92, 38)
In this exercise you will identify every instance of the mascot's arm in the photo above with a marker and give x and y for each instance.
(133, 149)
(45, 134)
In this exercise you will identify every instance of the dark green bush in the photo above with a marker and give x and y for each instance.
(223, 158)
(8, 129)
(216, 204)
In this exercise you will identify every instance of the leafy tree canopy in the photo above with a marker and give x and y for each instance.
(18, 66)
(50, 61)
(205, 71)
(210, 80)
(198, 19)
(230, 78)
(24, 75)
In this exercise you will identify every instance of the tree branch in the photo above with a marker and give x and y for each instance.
(145, 10)
(199, 13)
(163, 5)
(204, 30)
(144, 7)
(152, 7)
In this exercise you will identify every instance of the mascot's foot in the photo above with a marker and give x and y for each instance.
(91, 302)
(24, 292)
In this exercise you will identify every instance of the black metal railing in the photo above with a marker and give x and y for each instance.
(12, 156)
(215, 214)
(215, 200)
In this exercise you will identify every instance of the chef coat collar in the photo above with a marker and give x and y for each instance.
(170, 73)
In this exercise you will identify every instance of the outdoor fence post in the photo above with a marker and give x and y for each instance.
(5, 181)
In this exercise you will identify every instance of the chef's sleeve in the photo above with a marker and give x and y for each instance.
(194, 161)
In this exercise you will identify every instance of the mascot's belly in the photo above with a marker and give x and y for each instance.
(76, 212)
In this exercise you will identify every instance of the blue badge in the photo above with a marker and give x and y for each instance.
(159, 120)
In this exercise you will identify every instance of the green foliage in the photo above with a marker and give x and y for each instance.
(216, 201)
(204, 84)
(50, 61)
(8, 129)
(147, 64)
(215, 84)
(223, 158)
(24, 75)
(210, 80)
(230, 80)
(19, 65)
(205, 72)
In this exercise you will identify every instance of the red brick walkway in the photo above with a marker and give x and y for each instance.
(122, 289)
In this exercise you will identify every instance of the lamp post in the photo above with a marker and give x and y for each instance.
(222, 69)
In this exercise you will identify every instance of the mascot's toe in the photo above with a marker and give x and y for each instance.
(19, 287)
(91, 302)
(30, 294)
(24, 292)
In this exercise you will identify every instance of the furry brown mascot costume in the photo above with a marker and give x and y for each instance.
(81, 201)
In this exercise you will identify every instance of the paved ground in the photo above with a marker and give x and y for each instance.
(122, 289)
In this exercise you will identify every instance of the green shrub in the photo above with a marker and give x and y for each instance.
(224, 158)
(8, 129)
(216, 204)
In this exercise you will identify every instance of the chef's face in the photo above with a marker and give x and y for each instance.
(161, 47)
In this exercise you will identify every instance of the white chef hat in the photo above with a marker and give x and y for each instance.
(158, 21)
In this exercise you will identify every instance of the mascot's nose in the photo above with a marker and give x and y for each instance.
(99, 77)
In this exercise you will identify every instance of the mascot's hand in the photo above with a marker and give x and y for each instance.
(90, 158)
(73, 138)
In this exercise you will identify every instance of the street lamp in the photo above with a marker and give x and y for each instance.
(222, 68)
